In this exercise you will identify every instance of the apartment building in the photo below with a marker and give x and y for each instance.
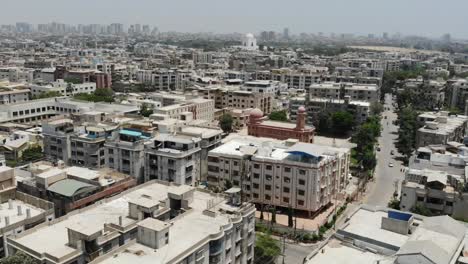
(19, 211)
(64, 88)
(11, 93)
(302, 176)
(197, 109)
(152, 222)
(456, 94)
(376, 235)
(124, 151)
(368, 93)
(432, 91)
(16, 74)
(210, 139)
(57, 143)
(316, 106)
(234, 98)
(440, 128)
(164, 80)
(35, 111)
(173, 158)
(434, 179)
(87, 148)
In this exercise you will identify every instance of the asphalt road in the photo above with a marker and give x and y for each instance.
(381, 190)
(294, 253)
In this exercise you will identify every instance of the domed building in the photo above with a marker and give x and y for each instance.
(249, 42)
(260, 126)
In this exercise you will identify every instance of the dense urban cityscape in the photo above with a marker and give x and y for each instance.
(127, 143)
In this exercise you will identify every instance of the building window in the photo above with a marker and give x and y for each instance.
(301, 182)
(286, 199)
(255, 185)
(300, 202)
(269, 167)
(287, 169)
(301, 192)
(302, 172)
(448, 203)
(268, 187)
(268, 177)
(267, 197)
(287, 180)
(256, 166)
(256, 175)
(286, 189)
(420, 199)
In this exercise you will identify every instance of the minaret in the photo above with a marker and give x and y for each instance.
(301, 118)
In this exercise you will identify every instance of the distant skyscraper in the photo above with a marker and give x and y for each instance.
(146, 29)
(446, 38)
(286, 33)
(385, 35)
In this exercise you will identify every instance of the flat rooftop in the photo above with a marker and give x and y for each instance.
(335, 252)
(12, 213)
(367, 224)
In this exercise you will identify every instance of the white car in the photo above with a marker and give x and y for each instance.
(390, 164)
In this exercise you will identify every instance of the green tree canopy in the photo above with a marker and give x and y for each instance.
(225, 122)
(146, 110)
(267, 249)
(19, 258)
(279, 116)
(342, 122)
(100, 95)
(44, 95)
(406, 142)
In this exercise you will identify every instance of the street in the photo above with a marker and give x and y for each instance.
(295, 253)
(381, 190)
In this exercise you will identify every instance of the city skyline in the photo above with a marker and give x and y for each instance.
(424, 18)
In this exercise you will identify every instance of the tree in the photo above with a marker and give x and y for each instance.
(279, 116)
(100, 95)
(146, 110)
(267, 249)
(32, 154)
(44, 95)
(273, 215)
(324, 123)
(394, 204)
(406, 142)
(290, 217)
(376, 108)
(261, 213)
(342, 122)
(226, 122)
(227, 184)
(421, 210)
(19, 258)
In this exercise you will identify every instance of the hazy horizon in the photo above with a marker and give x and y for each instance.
(429, 18)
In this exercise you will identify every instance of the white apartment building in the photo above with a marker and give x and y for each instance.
(173, 158)
(64, 88)
(153, 222)
(440, 128)
(198, 109)
(15, 74)
(356, 92)
(164, 80)
(13, 95)
(302, 176)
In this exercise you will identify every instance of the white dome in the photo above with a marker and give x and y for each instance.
(249, 35)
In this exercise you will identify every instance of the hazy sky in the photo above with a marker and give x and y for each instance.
(422, 17)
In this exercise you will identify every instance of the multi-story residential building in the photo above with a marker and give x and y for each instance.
(141, 225)
(173, 158)
(302, 176)
(125, 152)
(15, 74)
(87, 148)
(198, 109)
(368, 93)
(440, 128)
(164, 80)
(316, 106)
(433, 91)
(19, 211)
(57, 142)
(64, 88)
(35, 111)
(11, 93)
(376, 235)
(210, 139)
(456, 94)
(259, 127)
(234, 98)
